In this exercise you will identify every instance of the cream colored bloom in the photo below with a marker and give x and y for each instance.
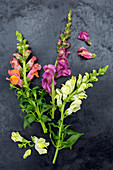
(27, 153)
(74, 107)
(81, 95)
(16, 137)
(85, 78)
(58, 96)
(40, 144)
(79, 80)
(68, 87)
(82, 87)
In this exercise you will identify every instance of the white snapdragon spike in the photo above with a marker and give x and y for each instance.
(16, 137)
(40, 145)
(58, 96)
(74, 107)
(27, 153)
(85, 78)
(68, 87)
(81, 95)
(79, 80)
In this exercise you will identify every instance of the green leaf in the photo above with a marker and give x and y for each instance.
(45, 107)
(20, 145)
(28, 119)
(71, 140)
(45, 118)
(71, 132)
(34, 93)
(54, 125)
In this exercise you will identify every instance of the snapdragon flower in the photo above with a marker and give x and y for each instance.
(47, 77)
(85, 53)
(40, 144)
(84, 36)
(15, 77)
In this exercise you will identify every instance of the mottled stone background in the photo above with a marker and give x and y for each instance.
(41, 23)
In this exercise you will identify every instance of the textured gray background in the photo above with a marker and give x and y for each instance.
(41, 23)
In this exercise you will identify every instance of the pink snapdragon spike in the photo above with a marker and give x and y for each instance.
(15, 77)
(31, 61)
(15, 64)
(84, 36)
(47, 77)
(85, 53)
(33, 71)
(62, 68)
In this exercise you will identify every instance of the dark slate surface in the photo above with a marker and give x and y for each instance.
(41, 23)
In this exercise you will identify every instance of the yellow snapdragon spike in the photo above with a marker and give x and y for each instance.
(16, 137)
(27, 153)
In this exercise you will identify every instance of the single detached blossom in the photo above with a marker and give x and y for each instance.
(33, 71)
(63, 66)
(16, 137)
(47, 77)
(27, 153)
(15, 77)
(85, 53)
(15, 64)
(31, 61)
(84, 36)
(40, 144)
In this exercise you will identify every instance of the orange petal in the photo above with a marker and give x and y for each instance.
(14, 80)
(35, 74)
(11, 72)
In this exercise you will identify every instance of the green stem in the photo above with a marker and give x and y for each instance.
(39, 117)
(53, 94)
(24, 76)
(43, 127)
(53, 98)
(60, 132)
(55, 156)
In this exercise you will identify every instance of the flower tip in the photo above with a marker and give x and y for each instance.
(89, 42)
(94, 55)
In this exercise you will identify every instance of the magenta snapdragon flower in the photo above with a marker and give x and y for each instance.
(63, 66)
(85, 53)
(62, 52)
(84, 36)
(47, 77)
